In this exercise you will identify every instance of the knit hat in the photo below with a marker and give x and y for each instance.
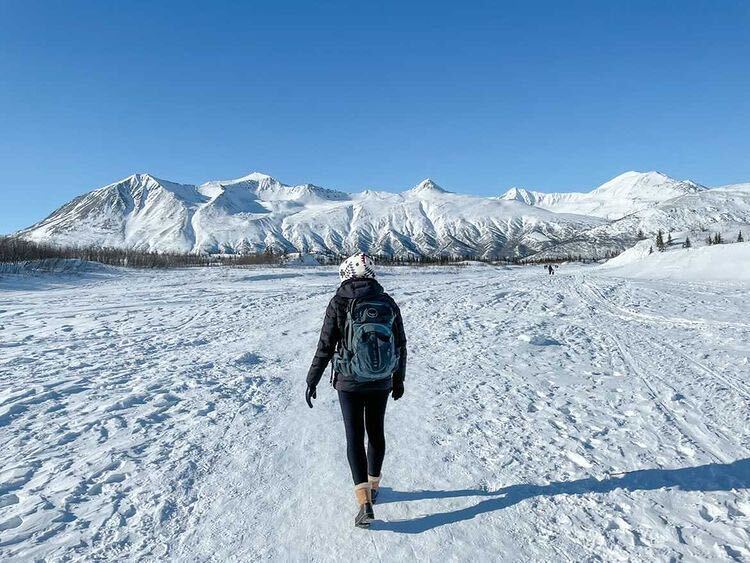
(358, 265)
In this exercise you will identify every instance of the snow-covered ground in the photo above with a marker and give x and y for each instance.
(160, 415)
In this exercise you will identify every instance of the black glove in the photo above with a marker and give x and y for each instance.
(310, 394)
(398, 390)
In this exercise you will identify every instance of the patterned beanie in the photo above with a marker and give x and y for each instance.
(357, 266)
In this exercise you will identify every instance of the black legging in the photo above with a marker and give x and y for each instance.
(364, 410)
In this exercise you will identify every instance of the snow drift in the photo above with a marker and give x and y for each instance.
(717, 262)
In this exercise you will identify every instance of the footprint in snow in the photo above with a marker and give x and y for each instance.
(8, 500)
(11, 523)
(537, 340)
(126, 403)
(248, 359)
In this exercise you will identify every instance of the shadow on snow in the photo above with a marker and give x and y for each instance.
(710, 477)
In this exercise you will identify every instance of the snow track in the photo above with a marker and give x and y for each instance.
(569, 417)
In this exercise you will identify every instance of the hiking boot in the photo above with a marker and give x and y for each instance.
(364, 516)
(363, 493)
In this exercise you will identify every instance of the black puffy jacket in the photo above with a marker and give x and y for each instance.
(333, 328)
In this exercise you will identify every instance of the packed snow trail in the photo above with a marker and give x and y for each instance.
(567, 417)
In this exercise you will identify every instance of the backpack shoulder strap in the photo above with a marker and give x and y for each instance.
(347, 336)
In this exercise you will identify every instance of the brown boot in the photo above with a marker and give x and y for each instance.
(363, 493)
(374, 487)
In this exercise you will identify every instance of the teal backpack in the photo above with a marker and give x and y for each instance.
(369, 351)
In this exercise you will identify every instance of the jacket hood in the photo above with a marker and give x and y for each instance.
(359, 287)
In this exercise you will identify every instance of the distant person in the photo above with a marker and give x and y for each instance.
(551, 269)
(363, 334)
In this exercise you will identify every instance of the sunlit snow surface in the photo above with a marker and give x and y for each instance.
(161, 415)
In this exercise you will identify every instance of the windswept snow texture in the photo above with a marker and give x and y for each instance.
(569, 417)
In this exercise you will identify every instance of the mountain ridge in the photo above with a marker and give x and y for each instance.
(257, 212)
(624, 194)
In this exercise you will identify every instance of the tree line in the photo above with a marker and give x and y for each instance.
(13, 249)
(418, 260)
(17, 250)
(711, 239)
(717, 239)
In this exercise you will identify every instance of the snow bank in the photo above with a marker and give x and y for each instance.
(719, 262)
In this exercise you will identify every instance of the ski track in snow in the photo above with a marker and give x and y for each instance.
(160, 415)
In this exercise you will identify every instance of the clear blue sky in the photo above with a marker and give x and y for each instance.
(477, 95)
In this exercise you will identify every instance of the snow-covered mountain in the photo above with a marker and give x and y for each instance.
(723, 210)
(621, 196)
(257, 212)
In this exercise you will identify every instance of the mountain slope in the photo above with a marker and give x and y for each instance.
(723, 210)
(257, 212)
(621, 196)
(140, 211)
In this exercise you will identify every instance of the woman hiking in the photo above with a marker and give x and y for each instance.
(363, 335)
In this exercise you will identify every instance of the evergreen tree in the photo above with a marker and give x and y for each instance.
(740, 238)
(669, 239)
(709, 240)
(651, 250)
(660, 241)
(687, 243)
(717, 238)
